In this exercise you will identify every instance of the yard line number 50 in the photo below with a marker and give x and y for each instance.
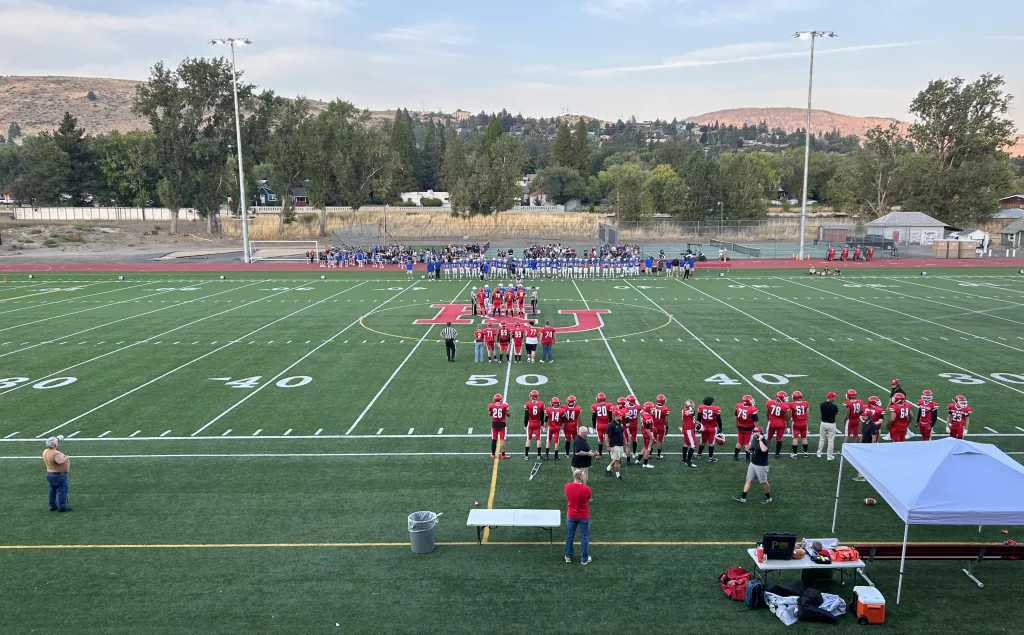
(530, 379)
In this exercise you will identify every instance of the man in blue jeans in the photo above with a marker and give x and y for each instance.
(57, 466)
(578, 515)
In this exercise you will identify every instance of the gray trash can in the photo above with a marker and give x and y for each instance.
(421, 531)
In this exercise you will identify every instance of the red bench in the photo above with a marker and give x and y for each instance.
(972, 553)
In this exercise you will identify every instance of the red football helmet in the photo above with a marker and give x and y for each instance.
(851, 393)
(631, 399)
(570, 401)
(895, 382)
(648, 406)
(960, 401)
(497, 398)
(874, 401)
(781, 395)
(797, 395)
(502, 325)
(899, 397)
(534, 394)
(747, 400)
(601, 397)
(621, 401)
(660, 399)
(554, 401)
(926, 395)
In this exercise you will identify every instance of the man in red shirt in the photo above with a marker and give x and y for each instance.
(601, 414)
(778, 418)
(533, 419)
(547, 338)
(498, 412)
(647, 430)
(631, 420)
(660, 413)
(798, 409)
(709, 417)
(899, 417)
(689, 430)
(927, 411)
(959, 417)
(853, 412)
(518, 333)
(570, 421)
(577, 515)
(489, 334)
(553, 417)
(504, 339)
(746, 419)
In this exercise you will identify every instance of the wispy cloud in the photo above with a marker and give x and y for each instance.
(696, 13)
(736, 54)
(432, 34)
(620, 8)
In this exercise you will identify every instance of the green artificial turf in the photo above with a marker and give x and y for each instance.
(317, 475)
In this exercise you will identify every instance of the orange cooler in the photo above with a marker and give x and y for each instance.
(869, 605)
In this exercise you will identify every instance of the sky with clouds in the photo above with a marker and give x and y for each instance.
(605, 58)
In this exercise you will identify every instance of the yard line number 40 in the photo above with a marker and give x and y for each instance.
(252, 382)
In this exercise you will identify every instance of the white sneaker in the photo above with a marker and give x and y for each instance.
(831, 458)
(586, 561)
(648, 466)
(793, 455)
(819, 455)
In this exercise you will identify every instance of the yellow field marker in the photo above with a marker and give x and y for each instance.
(490, 496)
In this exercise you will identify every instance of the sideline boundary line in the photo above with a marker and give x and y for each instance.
(297, 455)
(295, 363)
(401, 365)
(192, 361)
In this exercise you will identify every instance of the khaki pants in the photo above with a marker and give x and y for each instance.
(827, 431)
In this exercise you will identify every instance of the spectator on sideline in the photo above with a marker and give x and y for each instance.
(869, 432)
(449, 334)
(479, 352)
(57, 466)
(757, 468)
(577, 515)
(827, 431)
(547, 338)
(615, 439)
(581, 453)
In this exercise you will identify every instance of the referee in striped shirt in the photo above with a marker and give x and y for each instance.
(449, 334)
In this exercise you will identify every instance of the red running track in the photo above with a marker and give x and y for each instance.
(765, 263)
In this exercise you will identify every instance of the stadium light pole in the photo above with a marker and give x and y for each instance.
(812, 36)
(232, 42)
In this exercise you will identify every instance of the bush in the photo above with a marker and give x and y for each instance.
(156, 228)
(404, 204)
(36, 231)
(431, 202)
(50, 242)
(91, 96)
(75, 238)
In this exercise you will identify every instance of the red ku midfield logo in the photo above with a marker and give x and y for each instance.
(586, 320)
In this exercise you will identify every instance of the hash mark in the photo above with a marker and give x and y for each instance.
(257, 433)
(410, 430)
(440, 430)
(471, 431)
(317, 433)
(73, 434)
(226, 432)
(104, 434)
(165, 433)
(14, 433)
(134, 433)
(379, 431)
(287, 432)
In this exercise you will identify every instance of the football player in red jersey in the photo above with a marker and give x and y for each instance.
(631, 420)
(553, 416)
(533, 419)
(496, 298)
(570, 422)
(521, 300)
(959, 417)
(660, 413)
(778, 420)
(927, 412)
(709, 417)
(601, 414)
(647, 430)
(490, 333)
(798, 409)
(518, 333)
(689, 430)
(499, 415)
(504, 338)
(899, 418)
(746, 420)
(510, 302)
(872, 411)
(853, 412)
(480, 308)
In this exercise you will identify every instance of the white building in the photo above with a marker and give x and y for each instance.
(908, 228)
(417, 197)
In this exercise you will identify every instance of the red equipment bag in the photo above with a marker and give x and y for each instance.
(734, 583)
(844, 554)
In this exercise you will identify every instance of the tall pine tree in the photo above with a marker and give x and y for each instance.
(403, 144)
(581, 149)
(562, 150)
(81, 168)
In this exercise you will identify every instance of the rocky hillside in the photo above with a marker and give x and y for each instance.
(791, 119)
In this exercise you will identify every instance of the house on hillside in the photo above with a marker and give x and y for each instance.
(1011, 235)
(1009, 214)
(417, 197)
(265, 197)
(1012, 201)
(908, 228)
(980, 236)
(539, 197)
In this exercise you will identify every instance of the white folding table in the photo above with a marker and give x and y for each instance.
(853, 566)
(546, 519)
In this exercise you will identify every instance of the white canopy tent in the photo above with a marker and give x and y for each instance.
(946, 482)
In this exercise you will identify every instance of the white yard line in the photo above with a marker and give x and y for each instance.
(969, 294)
(118, 350)
(605, 340)
(92, 308)
(905, 314)
(190, 362)
(750, 383)
(889, 339)
(394, 374)
(77, 297)
(297, 362)
(946, 304)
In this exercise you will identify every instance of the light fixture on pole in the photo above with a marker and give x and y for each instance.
(232, 42)
(812, 36)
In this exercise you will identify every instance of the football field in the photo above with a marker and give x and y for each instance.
(245, 451)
